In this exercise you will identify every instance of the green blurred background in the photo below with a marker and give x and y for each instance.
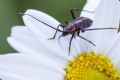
(9, 14)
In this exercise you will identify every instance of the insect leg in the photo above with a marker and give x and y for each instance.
(66, 22)
(78, 32)
(55, 32)
(75, 9)
(99, 29)
(73, 13)
(70, 42)
(87, 40)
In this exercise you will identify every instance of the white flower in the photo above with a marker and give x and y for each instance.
(42, 59)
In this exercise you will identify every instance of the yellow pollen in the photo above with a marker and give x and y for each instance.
(89, 66)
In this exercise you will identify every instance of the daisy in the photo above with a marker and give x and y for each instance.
(42, 59)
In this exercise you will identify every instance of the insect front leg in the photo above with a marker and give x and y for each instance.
(55, 32)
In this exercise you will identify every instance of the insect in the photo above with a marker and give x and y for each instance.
(74, 27)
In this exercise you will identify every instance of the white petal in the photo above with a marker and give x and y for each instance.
(107, 14)
(8, 76)
(114, 52)
(30, 60)
(105, 39)
(85, 45)
(21, 35)
(20, 30)
(43, 36)
(46, 30)
(75, 47)
(39, 29)
(91, 6)
(28, 66)
(29, 74)
(27, 44)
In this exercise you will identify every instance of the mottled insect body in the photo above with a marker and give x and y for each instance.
(77, 25)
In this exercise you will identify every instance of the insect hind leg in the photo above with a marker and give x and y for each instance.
(73, 13)
(86, 40)
(75, 9)
(100, 29)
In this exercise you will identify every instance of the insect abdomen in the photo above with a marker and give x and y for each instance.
(83, 22)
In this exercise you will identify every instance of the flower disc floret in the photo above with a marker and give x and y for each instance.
(88, 66)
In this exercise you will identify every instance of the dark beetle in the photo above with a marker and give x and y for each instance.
(77, 25)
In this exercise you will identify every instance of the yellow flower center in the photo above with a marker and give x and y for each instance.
(88, 66)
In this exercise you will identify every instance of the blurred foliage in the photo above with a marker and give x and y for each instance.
(9, 14)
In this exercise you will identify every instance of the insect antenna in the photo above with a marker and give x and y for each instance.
(42, 22)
